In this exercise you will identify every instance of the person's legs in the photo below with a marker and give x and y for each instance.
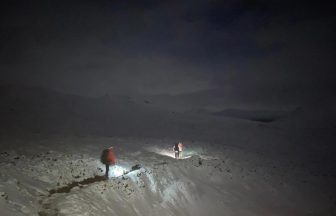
(107, 170)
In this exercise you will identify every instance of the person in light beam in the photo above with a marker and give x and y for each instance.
(178, 147)
(176, 150)
(108, 158)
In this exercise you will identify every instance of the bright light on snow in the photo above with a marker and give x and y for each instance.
(171, 153)
(165, 153)
(116, 171)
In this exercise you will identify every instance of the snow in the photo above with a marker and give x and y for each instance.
(207, 182)
(49, 160)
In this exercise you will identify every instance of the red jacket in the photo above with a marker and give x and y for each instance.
(108, 157)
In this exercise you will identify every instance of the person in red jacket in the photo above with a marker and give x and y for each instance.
(180, 147)
(108, 158)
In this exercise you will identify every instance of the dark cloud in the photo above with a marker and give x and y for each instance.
(258, 51)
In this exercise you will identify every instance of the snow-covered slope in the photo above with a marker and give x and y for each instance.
(50, 145)
(229, 182)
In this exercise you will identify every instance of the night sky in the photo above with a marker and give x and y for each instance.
(253, 51)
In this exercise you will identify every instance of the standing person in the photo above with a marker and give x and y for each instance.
(176, 150)
(180, 147)
(108, 159)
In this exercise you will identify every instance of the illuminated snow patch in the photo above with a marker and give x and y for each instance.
(166, 153)
(116, 171)
(171, 153)
(133, 175)
(186, 157)
(160, 151)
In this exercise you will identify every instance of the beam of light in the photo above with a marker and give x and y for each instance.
(170, 152)
(161, 151)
